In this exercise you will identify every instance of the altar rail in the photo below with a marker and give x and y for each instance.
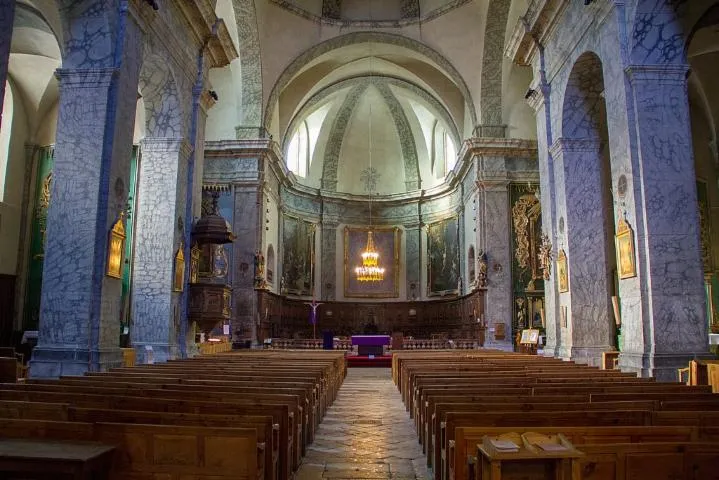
(346, 344)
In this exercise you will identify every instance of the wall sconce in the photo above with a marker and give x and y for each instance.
(116, 248)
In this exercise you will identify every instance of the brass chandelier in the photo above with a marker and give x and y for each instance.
(370, 270)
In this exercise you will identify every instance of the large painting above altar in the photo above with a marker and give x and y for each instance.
(443, 257)
(298, 262)
(387, 244)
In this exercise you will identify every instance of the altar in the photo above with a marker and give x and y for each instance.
(370, 344)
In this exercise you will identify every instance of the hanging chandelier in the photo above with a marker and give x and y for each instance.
(370, 270)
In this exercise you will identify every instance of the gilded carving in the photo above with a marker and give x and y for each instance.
(525, 216)
(545, 256)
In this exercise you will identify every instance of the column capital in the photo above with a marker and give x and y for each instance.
(663, 74)
(167, 144)
(575, 145)
(86, 77)
(496, 184)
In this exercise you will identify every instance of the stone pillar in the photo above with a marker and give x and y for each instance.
(328, 266)
(582, 236)
(160, 227)
(246, 225)
(7, 16)
(540, 103)
(494, 239)
(80, 306)
(670, 327)
(413, 261)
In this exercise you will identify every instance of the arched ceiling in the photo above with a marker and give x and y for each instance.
(405, 120)
(368, 54)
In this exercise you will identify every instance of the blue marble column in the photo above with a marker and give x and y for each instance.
(80, 305)
(7, 16)
(160, 227)
(578, 176)
(493, 215)
(672, 328)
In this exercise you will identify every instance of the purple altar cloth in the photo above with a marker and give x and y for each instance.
(371, 340)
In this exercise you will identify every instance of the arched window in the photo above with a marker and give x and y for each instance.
(5, 129)
(298, 153)
(444, 153)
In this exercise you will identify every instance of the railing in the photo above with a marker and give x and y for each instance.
(346, 344)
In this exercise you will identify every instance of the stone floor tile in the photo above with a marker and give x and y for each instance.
(366, 434)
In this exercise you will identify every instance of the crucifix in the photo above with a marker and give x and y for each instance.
(313, 316)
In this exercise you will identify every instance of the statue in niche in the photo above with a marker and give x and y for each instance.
(482, 270)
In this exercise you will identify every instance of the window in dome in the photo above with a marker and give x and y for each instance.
(298, 153)
(444, 153)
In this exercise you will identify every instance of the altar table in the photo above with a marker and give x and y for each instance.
(370, 344)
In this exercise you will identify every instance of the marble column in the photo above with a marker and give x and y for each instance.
(582, 236)
(671, 327)
(80, 305)
(413, 261)
(159, 234)
(7, 16)
(494, 239)
(540, 101)
(328, 265)
(246, 225)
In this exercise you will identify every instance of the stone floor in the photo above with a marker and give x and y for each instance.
(366, 434)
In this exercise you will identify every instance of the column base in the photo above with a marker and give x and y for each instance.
(661, 366)
(589, 355)
(550, 351)
(161, 352)
(53, 362)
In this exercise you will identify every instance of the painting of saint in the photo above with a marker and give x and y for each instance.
(562, 273)
(298, 240)
(443, 257)
(626, 262)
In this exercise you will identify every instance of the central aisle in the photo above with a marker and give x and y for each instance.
(366, 434)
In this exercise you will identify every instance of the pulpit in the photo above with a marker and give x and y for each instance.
(209, 305)
(370, 344)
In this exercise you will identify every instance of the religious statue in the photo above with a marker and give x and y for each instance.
(482, 270)
(260, 270)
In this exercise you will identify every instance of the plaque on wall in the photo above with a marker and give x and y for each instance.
(626, 261)
(562, 274)
(116, 248)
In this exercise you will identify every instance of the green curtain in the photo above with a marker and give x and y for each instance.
(43, 184)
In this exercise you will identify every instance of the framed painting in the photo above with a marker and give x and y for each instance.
(387, 245)
(530, 336)
(298, 256)
(178, 282)
(626, 260)
(443, 257)
(562, 274)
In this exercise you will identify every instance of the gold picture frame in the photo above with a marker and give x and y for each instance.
(178, 283)
(562, 273)
(626, 260)
(530, 336)
(116, 248)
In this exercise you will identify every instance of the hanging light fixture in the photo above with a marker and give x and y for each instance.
(370, 270)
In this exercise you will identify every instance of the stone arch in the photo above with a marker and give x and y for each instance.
(584, 203)
(159, 90)
(392, 81)
(583, 99)
(88, 33)
(662, 31)
(491, 93)
(251, 69)
(365, 37)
